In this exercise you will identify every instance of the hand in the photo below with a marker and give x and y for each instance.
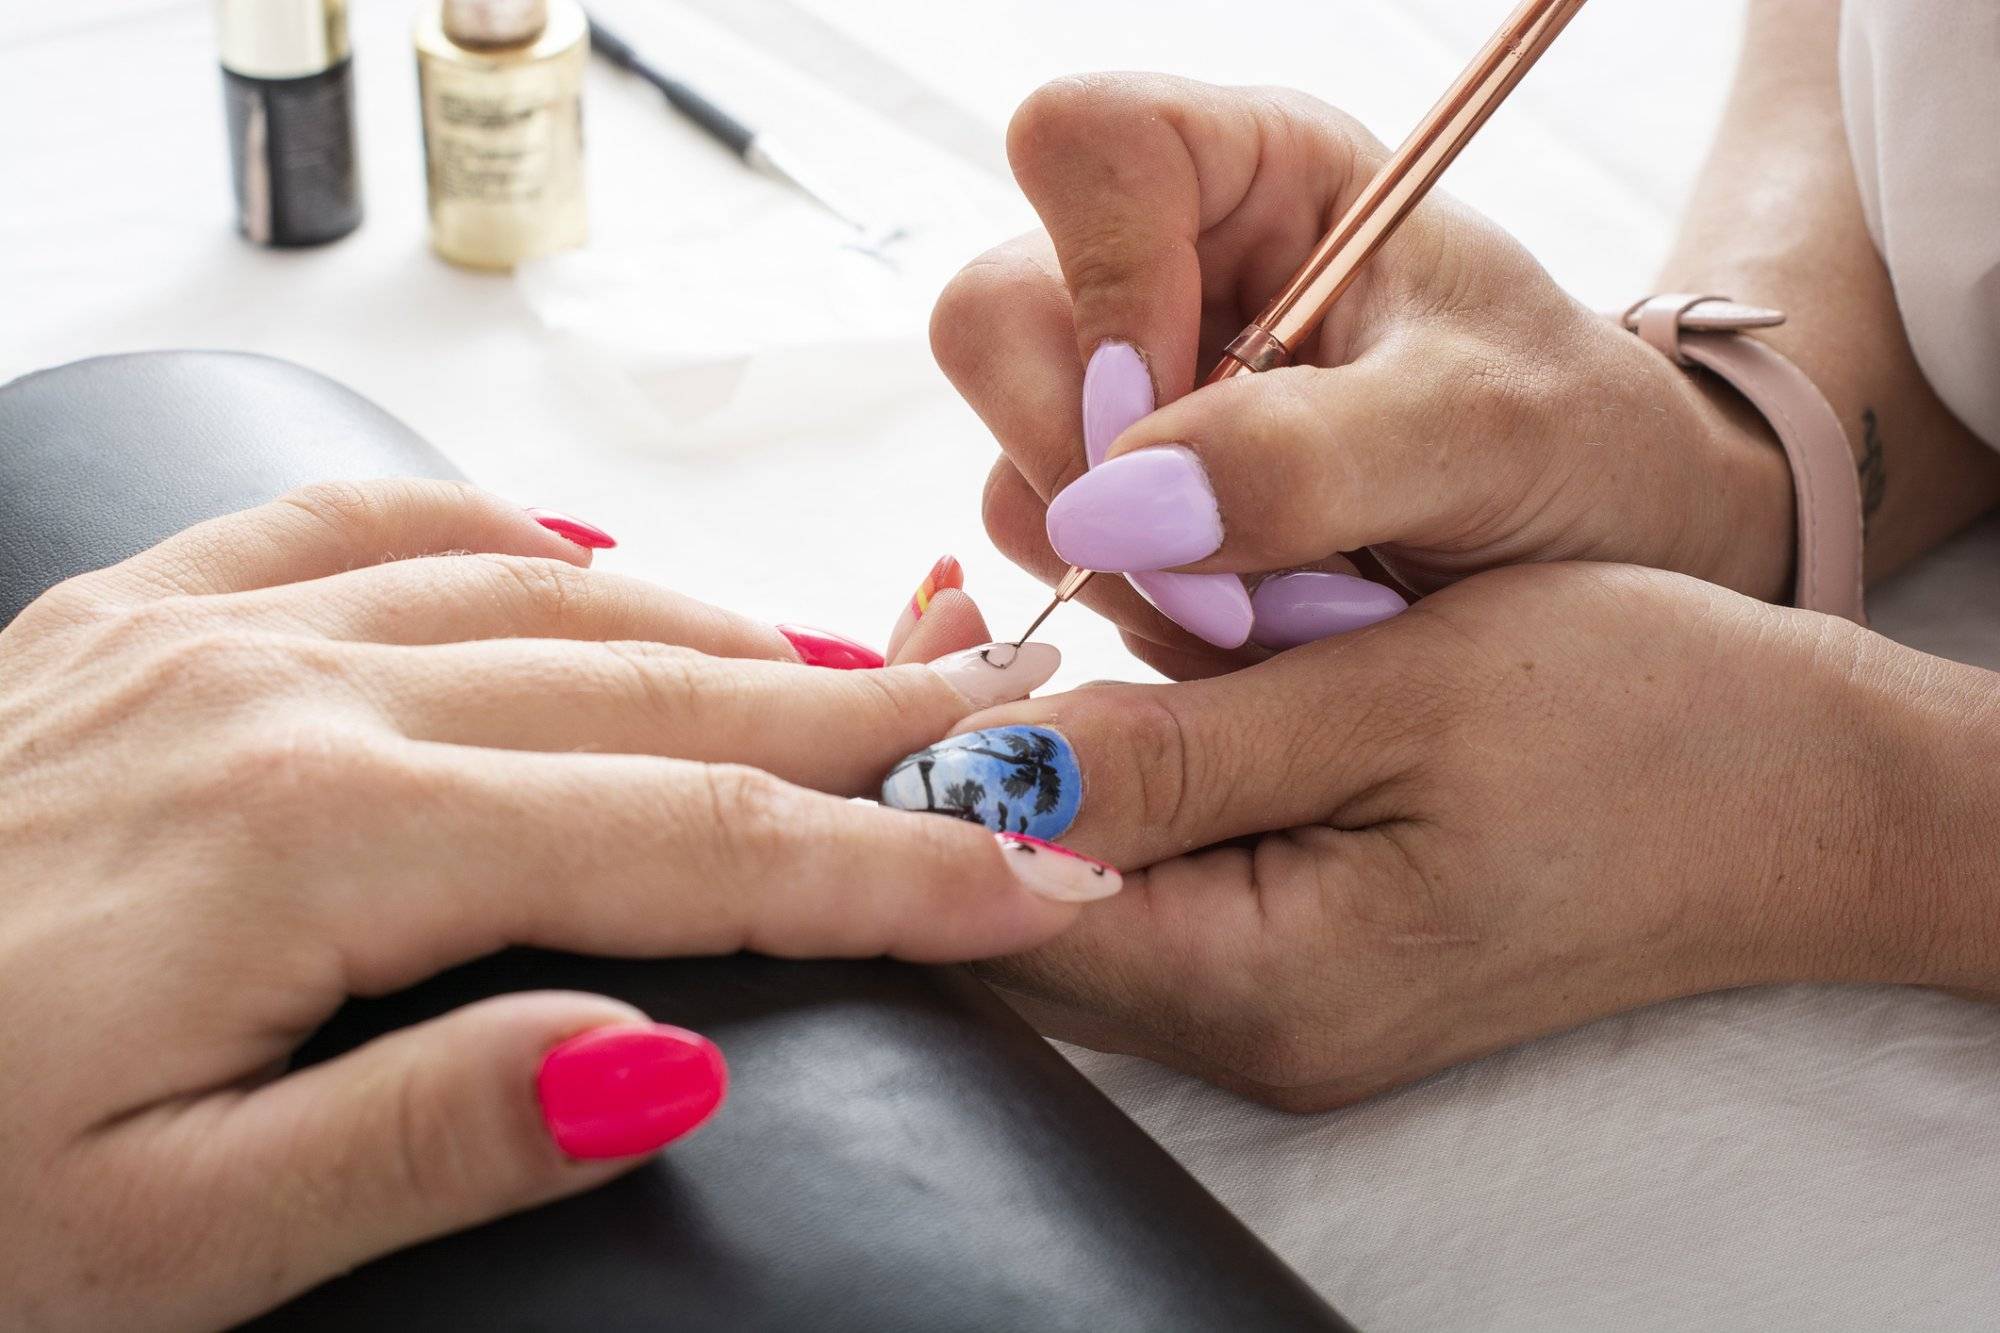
(1457, 411)
(254, 771)
(1543, 795)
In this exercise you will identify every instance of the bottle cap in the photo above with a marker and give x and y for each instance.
(495, 22)
(282, 39)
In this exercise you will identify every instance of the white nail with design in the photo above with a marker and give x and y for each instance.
(1054, 871)
(999, 673)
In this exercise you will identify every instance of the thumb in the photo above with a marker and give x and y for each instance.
(1285, 469)
(490, 1109)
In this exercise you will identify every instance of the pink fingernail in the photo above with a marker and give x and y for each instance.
(945, 574)
(624, 1090)
(1054, 871)
(587, 535)
(820, 648)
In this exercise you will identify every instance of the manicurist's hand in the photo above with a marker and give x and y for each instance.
(1545, 794)
(333, 745)
(1457, 411)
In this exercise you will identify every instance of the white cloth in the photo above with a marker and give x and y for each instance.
(1920, 80)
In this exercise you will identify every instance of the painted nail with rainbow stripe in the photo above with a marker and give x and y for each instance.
(946, 573)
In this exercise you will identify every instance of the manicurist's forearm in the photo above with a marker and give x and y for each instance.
(1777, 220)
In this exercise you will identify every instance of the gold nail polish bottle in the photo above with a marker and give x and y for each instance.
(502, 89)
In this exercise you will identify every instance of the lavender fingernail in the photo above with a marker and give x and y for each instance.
(1215, 608)
(1294, 609)
(1117, 391)
(1150, 509)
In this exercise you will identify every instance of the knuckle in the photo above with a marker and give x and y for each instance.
(79, 601)
(877, 700)
(119, 632)
(965, 311)
(751, 815)
(287, 789)
(432, 1160)
(343, 507)
(1055, 112)
(667, 682)
(550, 590)
(1103, 255)
(1089, 110)
(218, 667)
(1012, 514)
(1161, 756)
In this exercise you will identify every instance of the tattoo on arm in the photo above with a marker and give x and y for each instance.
(1874, 473)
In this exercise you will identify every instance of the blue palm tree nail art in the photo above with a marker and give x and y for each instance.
(1011, 779)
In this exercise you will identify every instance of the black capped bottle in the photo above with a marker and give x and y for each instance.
(288, 93)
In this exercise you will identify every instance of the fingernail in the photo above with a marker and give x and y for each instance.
(946, 573)
(587, 535)
(1294, 609)
(624, 1090)
(999, 673)
(1149, 509)
(1054, 871)
(816, 647)
(1117, 391)
(1215, 608)
(1011, 779)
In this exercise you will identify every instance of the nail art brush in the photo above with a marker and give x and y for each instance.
(753, 148)
(1270, 340)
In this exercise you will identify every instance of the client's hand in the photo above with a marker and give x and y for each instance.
(269, 765)
(1458, 411)
(1545, 794)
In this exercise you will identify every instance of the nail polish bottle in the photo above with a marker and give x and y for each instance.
(502, 90)
(288, 94)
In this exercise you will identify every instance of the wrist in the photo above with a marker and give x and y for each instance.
(1922, 905)
(1750, 542)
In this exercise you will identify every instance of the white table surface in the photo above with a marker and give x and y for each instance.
(1795, 1158)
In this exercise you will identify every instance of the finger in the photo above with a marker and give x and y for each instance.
(635, 856)
(946, 575)
(1004, 334)
(1025, 358)
(1138, 773)
(1201, 600)
(487, 1110)
(334, 526)
(1131, 174)
(1281, 469)
(458, 598)
(836, 731)
(953, 624)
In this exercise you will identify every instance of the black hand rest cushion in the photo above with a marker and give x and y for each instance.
(899, 1151)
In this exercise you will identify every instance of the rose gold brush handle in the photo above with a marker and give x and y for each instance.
(1298, 309)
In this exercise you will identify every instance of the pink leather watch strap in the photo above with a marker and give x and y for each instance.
(1708, 331)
